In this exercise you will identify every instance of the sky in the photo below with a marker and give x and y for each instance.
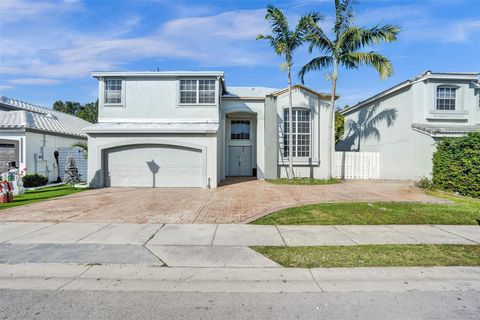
(49, 48)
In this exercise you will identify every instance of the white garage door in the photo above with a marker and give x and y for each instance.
(154, 166)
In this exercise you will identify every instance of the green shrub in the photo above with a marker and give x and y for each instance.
(424, 183)
(34, 180)
(456, 165)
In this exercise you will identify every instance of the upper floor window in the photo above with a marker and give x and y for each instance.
(197, 91)
(240, 130)
(300, 132)
(113, 91)
(446, 98)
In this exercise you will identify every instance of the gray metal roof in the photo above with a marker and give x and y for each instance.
(442, 130)
(23, 115)
(248, 92)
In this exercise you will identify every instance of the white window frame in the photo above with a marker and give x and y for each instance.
(296, 134)
(197, 99)
(249, 129)
(455, 99)
(122, 92)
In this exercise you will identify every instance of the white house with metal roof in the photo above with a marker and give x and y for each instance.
(404, 123)
(188, 129)
(30, 134)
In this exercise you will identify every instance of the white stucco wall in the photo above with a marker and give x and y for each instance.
(154, 99)
(404, 153)
(319, 135)
(253, 110)
(467, 109)
(97, 143)
(46, 166)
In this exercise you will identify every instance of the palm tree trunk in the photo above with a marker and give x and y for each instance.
(331, 122)
(290, 126)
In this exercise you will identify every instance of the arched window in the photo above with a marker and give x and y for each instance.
(446, 97)
(301, 133)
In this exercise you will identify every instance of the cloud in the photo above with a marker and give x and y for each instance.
(418, 24)
(33, 81)
(2, 87)
(18, 10)
(227, 38)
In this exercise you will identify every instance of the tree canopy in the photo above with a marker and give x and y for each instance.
(87, 112)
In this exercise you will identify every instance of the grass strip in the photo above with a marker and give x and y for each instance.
(41, 195)
(374, 255)
(304, 181)
(462, 211)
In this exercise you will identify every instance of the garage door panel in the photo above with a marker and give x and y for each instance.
(164, 166)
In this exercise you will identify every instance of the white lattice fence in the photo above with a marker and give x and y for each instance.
(357, 165)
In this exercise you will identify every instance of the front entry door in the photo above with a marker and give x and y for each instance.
(240, 161)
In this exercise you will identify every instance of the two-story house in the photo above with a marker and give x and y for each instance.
(404, 123)
(188, 129)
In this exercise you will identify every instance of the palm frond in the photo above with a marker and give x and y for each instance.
(278, 22)
(343, 15)
(80, 144)
(317, 63)
(318, 39)
(372, 59)
(354, 38)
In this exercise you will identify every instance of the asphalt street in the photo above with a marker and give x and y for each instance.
(52, 305)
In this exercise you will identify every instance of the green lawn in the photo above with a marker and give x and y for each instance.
(40, 195)
(304, 181)
(374, 255)
(462, 211)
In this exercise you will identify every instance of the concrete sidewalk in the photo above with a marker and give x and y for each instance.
(209, 246)
(135, 278)
(234, 234)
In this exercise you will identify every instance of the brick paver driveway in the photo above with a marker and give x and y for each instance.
(236, 202)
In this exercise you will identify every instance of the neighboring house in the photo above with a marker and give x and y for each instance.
(30, 134)
(404, 123)
(188, 129)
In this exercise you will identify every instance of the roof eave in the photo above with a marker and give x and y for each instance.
(108, 131)
(153, 74)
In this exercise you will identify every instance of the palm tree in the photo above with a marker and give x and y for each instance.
(343, 50)
(82, 145)
(285, 41)
(366, 124)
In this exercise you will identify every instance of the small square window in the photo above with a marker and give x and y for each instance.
(113, 91)
(446, 98)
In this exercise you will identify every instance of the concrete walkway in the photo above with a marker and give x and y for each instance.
(212, 246)
(233, 235)
(135, 278)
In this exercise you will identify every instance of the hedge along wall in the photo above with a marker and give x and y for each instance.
(456, 165)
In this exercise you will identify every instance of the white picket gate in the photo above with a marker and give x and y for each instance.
(357, 165)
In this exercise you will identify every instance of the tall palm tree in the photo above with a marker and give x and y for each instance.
(344, 50)
(285, 41)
